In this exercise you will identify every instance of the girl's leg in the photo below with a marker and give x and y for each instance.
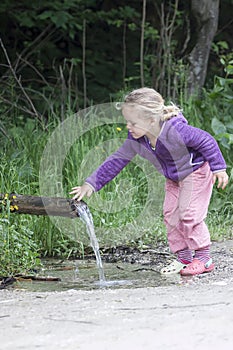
(185, 208)
(194, 200)
(175, 236)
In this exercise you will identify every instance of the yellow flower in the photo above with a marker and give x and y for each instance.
(6, 195)
(11, 208)
(118, 129)
(16, 207)
(14, 197)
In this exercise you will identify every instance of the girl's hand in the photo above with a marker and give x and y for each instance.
(222, 179)
(81, 191)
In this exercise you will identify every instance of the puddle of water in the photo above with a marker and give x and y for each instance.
(82, 275)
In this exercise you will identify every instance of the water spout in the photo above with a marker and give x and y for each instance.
(84, 213)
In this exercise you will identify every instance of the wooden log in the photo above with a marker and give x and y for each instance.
(35, 205)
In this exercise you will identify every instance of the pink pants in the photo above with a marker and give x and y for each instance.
(185, 208)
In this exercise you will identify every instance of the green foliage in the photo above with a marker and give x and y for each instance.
(24, 238)
(19, 252)
(219, 220)
(221, 98)
(48, 47)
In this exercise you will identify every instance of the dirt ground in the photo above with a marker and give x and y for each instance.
(194, 313)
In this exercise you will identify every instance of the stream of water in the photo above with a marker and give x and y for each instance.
(85, 215)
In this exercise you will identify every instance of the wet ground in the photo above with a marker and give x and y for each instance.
(124, 267)
(175, 313)
(221, 253)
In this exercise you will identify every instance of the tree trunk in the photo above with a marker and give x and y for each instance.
(33, 205)
(206, 15)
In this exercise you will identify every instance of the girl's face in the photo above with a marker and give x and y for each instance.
(137, 125)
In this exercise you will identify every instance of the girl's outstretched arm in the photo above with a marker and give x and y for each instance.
(222, 179)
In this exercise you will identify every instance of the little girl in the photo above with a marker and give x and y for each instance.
(190, 160)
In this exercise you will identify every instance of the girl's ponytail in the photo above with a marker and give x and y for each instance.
(170, 111)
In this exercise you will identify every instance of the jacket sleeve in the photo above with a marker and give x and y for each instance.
(111, 167)
(204, 143)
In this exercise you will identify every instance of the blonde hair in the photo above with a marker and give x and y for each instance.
(151, 102)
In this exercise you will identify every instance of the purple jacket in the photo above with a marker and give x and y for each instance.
(180, 150)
